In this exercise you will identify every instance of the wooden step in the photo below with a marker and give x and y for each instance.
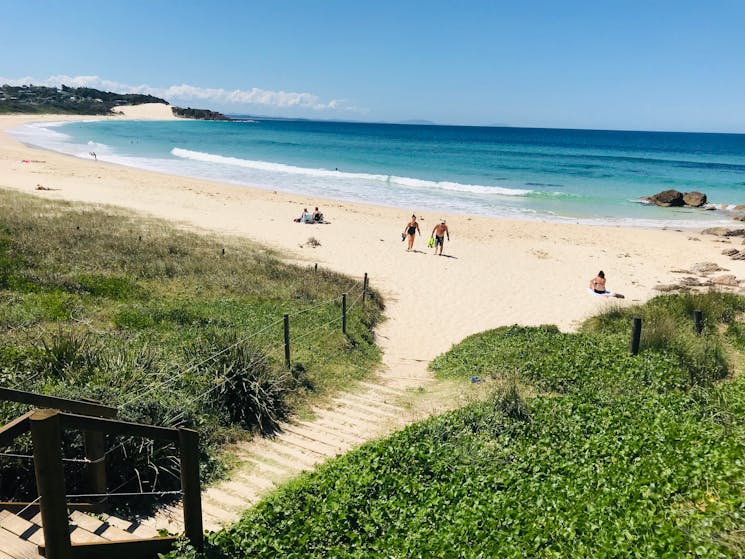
(100, 528)
(25, 530)
(16, 548)
(134, 528)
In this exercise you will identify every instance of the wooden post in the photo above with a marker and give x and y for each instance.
(189, 454)
(287, 340)
(636, 333)
(315, 268)
(364, 290)
(95, 451)
(50, 482)
(698, 318)
(344, 312)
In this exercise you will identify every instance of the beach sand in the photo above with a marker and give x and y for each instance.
(495, 271)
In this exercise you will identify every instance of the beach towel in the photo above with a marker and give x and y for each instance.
(606, 294)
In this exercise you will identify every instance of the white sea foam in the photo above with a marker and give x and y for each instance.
(393, 180)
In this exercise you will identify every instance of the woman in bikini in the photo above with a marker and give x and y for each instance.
(597, 284)
(411, 230)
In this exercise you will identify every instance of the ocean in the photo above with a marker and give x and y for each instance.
(583, 176)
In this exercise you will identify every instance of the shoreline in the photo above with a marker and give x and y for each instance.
(633, 213)
(496, 271)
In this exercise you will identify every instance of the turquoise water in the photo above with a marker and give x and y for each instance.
(563, 175)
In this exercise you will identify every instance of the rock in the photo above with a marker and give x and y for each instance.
(730, 251)
(706, 267)
(694, 199)
(666, 288)
(740, 217)
(724, 232)
(739, 208)
(667, 199)
(727, 280)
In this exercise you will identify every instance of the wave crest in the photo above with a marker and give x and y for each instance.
(406, 182)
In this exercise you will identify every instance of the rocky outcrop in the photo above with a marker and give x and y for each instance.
(694, 199)
(723, 232)
(676, 199)
(667, 199)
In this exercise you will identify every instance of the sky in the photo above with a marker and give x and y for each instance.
(601, 64)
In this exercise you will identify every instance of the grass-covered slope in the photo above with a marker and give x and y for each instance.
(172, 327)
(617, 455)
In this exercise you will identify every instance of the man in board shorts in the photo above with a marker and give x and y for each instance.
(439, 232)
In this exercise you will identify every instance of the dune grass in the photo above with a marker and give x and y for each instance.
(615, 456)
(171, 326)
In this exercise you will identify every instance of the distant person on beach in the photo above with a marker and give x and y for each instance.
(94, 156)
(317, 215)
(305, 217)
(410, 231)
(438, 232)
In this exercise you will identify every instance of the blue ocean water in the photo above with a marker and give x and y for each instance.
(587, 176)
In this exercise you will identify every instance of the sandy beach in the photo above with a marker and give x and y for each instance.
(494, 271)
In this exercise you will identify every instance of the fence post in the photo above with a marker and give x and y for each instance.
(50, 483)
(364, 290)
(636, 333)
(315, 268)
(189, 456)
(95, 451)
(344, 313)
(698, 318)
(287, 340)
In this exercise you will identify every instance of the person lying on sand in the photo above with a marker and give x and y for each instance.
(40, 187)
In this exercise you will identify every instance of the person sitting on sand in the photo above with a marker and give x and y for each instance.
(438, 232)
(317, 215)
(305, 217)
(411, 230)
(597, 284)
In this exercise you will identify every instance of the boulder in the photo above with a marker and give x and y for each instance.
(724, 232)
(694, 199)
(667, 199)
(739, 208)
(728, 280)
(706, 267)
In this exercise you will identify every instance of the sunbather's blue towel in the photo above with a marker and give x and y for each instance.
(606, 294)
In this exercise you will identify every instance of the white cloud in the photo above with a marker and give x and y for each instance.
(186, 94)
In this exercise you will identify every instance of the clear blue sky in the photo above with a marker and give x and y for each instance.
(609, 64)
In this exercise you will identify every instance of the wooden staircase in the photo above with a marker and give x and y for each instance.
(21, 533)
(56, 529)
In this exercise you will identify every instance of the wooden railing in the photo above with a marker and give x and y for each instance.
(95, 420)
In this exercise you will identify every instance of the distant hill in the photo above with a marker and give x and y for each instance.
(36, 99)
(66, 100)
